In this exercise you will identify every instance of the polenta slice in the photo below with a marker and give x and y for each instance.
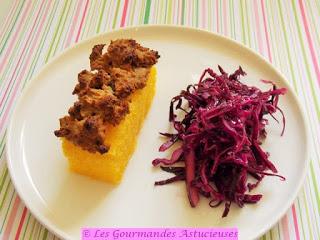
(99, 134)
(121, 138)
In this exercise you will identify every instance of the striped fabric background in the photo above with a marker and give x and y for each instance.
(286, 33)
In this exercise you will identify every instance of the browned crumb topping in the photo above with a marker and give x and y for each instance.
(123, 53)
(103, 94)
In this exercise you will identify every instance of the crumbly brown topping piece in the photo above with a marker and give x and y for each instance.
(103, 94)
(123, 53)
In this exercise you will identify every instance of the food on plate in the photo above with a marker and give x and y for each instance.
(99, 133)
(219, 128)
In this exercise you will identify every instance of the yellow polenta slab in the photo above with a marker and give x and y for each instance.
(122, 140)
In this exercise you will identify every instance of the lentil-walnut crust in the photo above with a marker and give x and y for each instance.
(104, 92)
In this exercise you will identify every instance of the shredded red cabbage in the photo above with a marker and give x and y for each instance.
(220, 132)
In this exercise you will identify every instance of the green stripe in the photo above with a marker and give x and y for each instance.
(65, 16)
(318, 7)
(8, 33)
(164, 18)
(147, 12)
(56, 31)
(232, 19)
(141, 11)
(307, 212)
(197, 14)
(170, 12)
(313, 210)
(93, 19)
(32, 229)
(2, 151)
(301, 219)
(279, 230)
(3, 140)
(45, 234)
(40, 229)
(116, 15)
(271, 234)
(41, 44)
(160, 18)
(3, 179)
(8, 20)
(7, 210)
(273, 37)
(313, 92)
(209, 7)
(26, 226)
(100, 17)
(66, 28)
(243, 23)
(183, 11)
(5, 194)
(287, 47)
(132, 11)
(247, 22)
(87, 22)
(314, 181)
(165, 12)
(194, 15)
(109, 13)
(36, 230)
(8, 68)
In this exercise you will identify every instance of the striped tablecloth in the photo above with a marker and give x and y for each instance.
(285, 32)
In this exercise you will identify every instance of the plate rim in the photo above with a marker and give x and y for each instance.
(62, 234)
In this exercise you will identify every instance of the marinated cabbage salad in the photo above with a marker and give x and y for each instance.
(220, 124)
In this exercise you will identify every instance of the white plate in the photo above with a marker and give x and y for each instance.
(64, 202)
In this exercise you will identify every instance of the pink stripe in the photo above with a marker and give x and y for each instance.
(295, 222)
(174, 14)
(124, 14)
(266, 31)
(23, 51)
(8, 18)
(23, 216)
(5, 115)
(12, 217)
(224, 9)
(311, 48)
(74, 23)
(217, 16)
(285, 227)
(257, 21)
(82, 19)
(204, 14)
(13, 41)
